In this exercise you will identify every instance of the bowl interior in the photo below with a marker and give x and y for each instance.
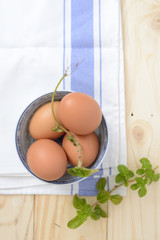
(24, 139)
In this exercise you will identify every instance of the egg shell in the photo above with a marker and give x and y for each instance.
(90, 147)
(80, 113)
(42, 122)
(46, 159)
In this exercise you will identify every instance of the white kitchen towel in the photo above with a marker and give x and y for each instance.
(39, 39)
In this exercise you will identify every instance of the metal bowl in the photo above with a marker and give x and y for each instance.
(23, 139)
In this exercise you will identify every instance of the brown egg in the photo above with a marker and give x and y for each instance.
(90, 147)
(46, 159)
(80, 113)
(42, 122)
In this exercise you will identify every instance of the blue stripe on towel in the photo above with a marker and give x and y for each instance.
(71, 189)
(107, 183)
(100, 54)
(64, 43)
(110, 173)
(100, 71)
(82, 80)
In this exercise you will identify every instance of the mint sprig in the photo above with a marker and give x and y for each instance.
(103, 196)
(101, 184)
(81, 171)
(98, 212)
(124, 175)
(78, 170)
(144, 176)
(83, 212)
(148, 176)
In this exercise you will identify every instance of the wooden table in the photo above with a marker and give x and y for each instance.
(45, 217)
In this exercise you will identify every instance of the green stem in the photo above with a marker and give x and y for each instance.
(117, 186)
(53, 95)
(156, 168)
(63, 128)
(94, 204)
(80, 155)
(54, 117)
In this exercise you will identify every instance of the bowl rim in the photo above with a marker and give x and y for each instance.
(76, 179)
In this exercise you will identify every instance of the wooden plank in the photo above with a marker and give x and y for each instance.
(16, 217)
(137, 218)
(52, 214)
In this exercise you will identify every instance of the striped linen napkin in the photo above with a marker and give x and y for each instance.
(38, 41)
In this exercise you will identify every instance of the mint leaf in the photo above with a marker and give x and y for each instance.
(101, 184)
(130, 174)
(102, 212)
(71, 140)
(140, 181)
(98, 208)
(81, 171)
(78, 203)
(98, 212)
(72, 171)
(146, 180)
(103, 196)
(140, 171)
(149, 173)
(119, 178)
(57, 129)
(82, 215)
(149, 181)
(125, 174)
(86, 210)
(156, 177)
(126, 183)
(142, 191)
(116, 199)
(123, 170)
(75, 222)
(95, 215)
(145, 163)
(134, 186)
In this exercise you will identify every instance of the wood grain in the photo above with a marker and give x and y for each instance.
(52, 214)
(139, 219)
(16, 217)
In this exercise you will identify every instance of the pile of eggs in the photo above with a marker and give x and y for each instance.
(81, 115)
